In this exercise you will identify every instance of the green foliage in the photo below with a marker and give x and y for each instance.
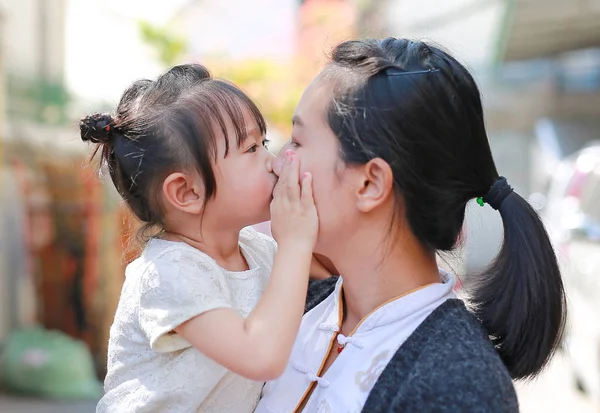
(272, 85)
(35, 98)
(169, 47)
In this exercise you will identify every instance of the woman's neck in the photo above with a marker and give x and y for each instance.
(373, 276)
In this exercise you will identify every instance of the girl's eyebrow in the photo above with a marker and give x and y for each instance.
(251, 132)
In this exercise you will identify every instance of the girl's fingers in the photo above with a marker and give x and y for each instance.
(307, 191)
(292, 177)
(285, 170)
(279, 189)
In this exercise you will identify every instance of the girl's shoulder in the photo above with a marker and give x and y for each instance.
(162, 258)
(163, 251)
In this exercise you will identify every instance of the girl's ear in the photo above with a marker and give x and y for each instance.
(183, 192)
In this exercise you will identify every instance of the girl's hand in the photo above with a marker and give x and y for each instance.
(294, 217)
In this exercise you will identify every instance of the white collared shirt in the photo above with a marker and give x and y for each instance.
(347, 383)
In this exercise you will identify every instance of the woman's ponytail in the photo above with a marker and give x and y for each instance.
(520, 297)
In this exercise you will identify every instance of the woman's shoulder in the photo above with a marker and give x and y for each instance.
(451, 356)
(453, 334)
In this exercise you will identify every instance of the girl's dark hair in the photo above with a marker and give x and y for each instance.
(416, 107)
(163, 126)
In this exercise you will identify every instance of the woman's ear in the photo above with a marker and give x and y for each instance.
(184, 192)
(377, 182)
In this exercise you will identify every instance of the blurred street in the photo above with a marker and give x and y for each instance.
(552, 392)
(11, 404)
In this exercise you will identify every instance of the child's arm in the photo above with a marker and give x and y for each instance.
(258, 347)
(320, 267)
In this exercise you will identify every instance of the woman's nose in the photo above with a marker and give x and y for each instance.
(280, 159)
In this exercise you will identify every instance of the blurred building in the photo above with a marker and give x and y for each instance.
(116, 55)
(321, 25)
(240, 30)
(52, 209)
(538, 65)
(32, 94)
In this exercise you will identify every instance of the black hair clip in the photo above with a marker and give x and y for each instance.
(396, 71)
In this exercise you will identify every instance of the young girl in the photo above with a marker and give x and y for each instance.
(187, 154)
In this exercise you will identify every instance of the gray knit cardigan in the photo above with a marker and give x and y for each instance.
(447, 365)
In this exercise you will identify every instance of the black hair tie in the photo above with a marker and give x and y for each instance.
(97, 128)
(496, 194)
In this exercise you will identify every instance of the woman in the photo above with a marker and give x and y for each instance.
(393, 134)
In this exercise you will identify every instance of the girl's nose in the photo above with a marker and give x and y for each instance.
(279, 160)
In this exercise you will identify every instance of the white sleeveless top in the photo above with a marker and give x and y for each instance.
(150, 367)
(348, 382)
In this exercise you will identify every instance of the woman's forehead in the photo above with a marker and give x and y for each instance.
(314, 102)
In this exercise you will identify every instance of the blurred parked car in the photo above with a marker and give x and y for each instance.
(572, 216)
(557, 139)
